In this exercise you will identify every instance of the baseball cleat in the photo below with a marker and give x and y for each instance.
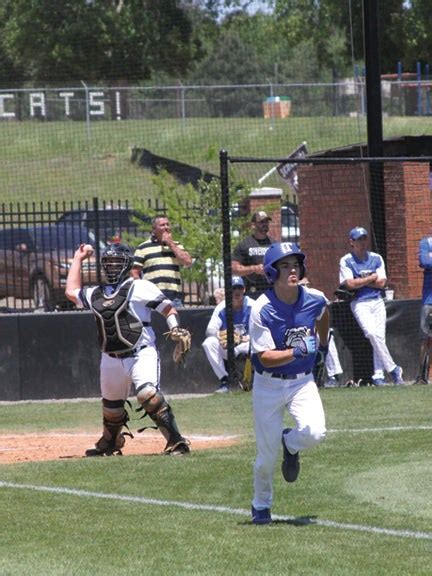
(223, 389)
(396, 375)
(261, 517)
(290, 462)
(178, 449)
(331, 382)
(378, 381)
(96, 452)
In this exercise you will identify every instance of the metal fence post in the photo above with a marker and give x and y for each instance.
(97, 239)
(226, 230)
(87, 102)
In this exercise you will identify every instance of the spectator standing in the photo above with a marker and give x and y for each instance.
(284, 325)
(425, 262)
(364, 273)
(159, 259)
(248, 255)
(215, 344)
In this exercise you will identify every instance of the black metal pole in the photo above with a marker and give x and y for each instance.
(97, 240)
(374, 122)
(226, 232)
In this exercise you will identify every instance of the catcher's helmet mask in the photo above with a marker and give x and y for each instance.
(116, 261)
(276, 252)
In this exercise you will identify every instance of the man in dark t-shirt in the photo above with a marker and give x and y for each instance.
(248, 255)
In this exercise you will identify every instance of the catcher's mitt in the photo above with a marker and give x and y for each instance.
(183, 340)
(223, 338)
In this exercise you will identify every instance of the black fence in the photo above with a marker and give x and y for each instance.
(37, 243)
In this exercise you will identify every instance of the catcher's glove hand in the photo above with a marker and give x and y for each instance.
(345, 295)
(223, 338)
(183, 340)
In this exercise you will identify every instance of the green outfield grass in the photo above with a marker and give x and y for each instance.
(190, 515)
(59, 161)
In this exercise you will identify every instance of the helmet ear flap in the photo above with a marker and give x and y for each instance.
(302, 271)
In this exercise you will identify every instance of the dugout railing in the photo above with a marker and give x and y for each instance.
(389, 195)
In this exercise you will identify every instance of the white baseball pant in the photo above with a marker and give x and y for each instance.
(216, 354)
(117, 375)
(271, 397)
(332, 363)
(371, 316)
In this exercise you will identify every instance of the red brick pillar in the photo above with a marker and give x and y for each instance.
(408, 218)
(269, 200)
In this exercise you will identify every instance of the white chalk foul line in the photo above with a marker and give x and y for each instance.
(222, 509)
(381, 429)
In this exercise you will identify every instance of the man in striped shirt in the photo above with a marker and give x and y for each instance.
(159, 258)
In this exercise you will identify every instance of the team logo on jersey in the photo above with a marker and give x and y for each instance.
(295, 336)
(258, 250)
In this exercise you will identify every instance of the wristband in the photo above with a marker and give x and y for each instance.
(172, 321)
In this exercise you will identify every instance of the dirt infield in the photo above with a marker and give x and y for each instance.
(58, 445)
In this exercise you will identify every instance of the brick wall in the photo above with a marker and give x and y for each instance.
(334, 198)
(408, 219)
(269, 200)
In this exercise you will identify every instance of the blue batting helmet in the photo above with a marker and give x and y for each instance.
(276, 252)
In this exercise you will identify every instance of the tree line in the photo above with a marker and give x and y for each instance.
(121, 42)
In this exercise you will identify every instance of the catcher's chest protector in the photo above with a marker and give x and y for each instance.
(119, 330)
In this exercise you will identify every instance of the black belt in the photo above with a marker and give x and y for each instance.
(127, 354)
(283, 376)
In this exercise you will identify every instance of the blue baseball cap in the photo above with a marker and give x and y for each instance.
(357, 233)
(237, 281)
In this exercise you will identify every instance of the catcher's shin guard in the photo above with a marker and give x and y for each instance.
(155, 405)
(165, 421)
(112, 439)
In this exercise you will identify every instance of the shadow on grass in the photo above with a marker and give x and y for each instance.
(300, 521)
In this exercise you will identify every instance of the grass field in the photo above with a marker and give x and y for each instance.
(361, 506)
(59, 161)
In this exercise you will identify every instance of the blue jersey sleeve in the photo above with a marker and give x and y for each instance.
(425, 253)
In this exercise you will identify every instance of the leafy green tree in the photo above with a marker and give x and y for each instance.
(195, 217)
(95, 40)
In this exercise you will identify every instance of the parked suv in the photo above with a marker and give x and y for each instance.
(34, 263)
(113, 224)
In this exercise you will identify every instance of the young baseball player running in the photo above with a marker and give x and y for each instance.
(284, 325)
(364, 272)
(122, 308)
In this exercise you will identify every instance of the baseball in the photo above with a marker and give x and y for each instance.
(87, 248)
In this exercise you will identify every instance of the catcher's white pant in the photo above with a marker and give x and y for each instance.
(117, 375)
(216, 354)
(332, 363)
(271, 397)
(371, 316)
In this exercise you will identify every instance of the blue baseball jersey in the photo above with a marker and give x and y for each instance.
(425, 262)
(352, 267)
(218, 320)
(275, 325)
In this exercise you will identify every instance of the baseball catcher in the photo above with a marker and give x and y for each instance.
(122, 309)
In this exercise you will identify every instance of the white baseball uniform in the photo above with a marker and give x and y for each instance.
(368, 307)
(143, 367)
(275, 325)
(211, 345)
